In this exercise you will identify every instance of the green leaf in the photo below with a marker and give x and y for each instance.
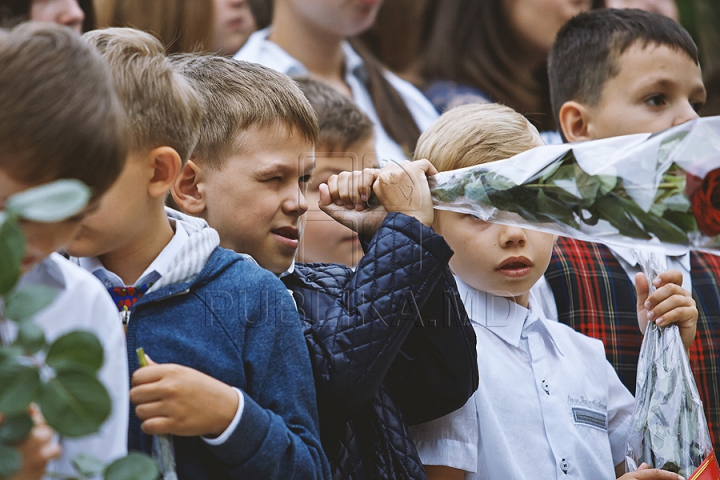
(16, 428)
(30, 337)
(10, 460)
(12, 250)
(75, 350)
(26, 302)
(19, 385)
(136, 466)
(88, 465)
(74, 403)
(52, 202)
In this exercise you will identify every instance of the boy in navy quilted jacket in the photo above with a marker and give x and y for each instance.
(232, 382)
(375, 371)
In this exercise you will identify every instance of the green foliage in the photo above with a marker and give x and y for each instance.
(61, 378)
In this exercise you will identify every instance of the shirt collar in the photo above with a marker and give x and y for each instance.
(503, 317)
(626, 255)
(272, 55)
(156, 270)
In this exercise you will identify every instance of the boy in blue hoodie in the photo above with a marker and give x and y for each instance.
(375, 373)
(223, 331)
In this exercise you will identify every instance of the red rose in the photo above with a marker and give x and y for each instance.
(705, 199)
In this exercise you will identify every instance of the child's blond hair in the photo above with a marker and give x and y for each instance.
(239, 96)
(161, 106)
(473, 134)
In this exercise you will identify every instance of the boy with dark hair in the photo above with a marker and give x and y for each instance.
(617, 72)
(235, 383)
(374, 372)
(60, 119)
(346, 143)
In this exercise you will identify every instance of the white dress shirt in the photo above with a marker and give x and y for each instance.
(83, 304)
(259, 49)
(549, 405)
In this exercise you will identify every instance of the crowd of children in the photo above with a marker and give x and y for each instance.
(293, 329)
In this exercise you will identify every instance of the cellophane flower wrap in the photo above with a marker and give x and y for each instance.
(659, 194)
(657, 191)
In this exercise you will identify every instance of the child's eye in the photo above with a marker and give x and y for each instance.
(656, 100)
(305, 179)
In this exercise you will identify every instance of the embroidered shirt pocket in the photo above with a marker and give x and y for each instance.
(590, 418)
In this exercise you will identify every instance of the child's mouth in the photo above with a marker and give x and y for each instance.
(287, 236)
(515, 267)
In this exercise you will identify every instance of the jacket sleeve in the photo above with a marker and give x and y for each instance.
(355, 340)
(435, 372)
(278, 434)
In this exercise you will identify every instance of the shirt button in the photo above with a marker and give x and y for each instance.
(545, 386)
(564, 466)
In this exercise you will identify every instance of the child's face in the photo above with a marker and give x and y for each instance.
(118, 222)
(656, 88)
(256, 200)
(41, 239)
(537, 22)
(502, 260)
(324, 239)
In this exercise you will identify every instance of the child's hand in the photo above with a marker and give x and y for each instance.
(343, 197)
(36, 451)
(670, 303)
(646, 473)
(403, 187)
(177, 400)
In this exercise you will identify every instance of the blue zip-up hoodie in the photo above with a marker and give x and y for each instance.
(220, 313)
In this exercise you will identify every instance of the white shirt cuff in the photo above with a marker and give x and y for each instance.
(233, 425)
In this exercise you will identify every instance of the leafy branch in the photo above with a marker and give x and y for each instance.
(60, 378)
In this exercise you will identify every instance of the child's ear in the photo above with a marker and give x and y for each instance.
(166, 164)
(187, 190)
(575, 120)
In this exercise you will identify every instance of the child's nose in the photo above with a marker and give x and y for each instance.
(512, 237)
(296, 202)
(685, 114)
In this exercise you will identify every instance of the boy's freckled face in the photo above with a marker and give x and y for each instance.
(117, 221)
(41, 239)
(324, 239)
(256, 200)
(502, 260)
(656, 88)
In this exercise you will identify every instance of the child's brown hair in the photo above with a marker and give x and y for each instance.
(341, 122)
(162, 107)
(60, 116)
(472, 134)
(238, 96)
(583, 57)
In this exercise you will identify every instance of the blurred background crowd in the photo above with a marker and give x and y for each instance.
(488, 49)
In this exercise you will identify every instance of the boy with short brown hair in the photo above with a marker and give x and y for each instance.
(235, 384)
(617, 72)
(60, 119)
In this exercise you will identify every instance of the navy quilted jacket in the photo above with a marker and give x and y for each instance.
(390, 346)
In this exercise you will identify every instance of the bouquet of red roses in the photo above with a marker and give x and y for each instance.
(662, 189)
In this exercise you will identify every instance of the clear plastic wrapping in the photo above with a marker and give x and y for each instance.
(660, 191)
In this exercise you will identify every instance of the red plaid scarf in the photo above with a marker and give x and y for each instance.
(595, 296)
